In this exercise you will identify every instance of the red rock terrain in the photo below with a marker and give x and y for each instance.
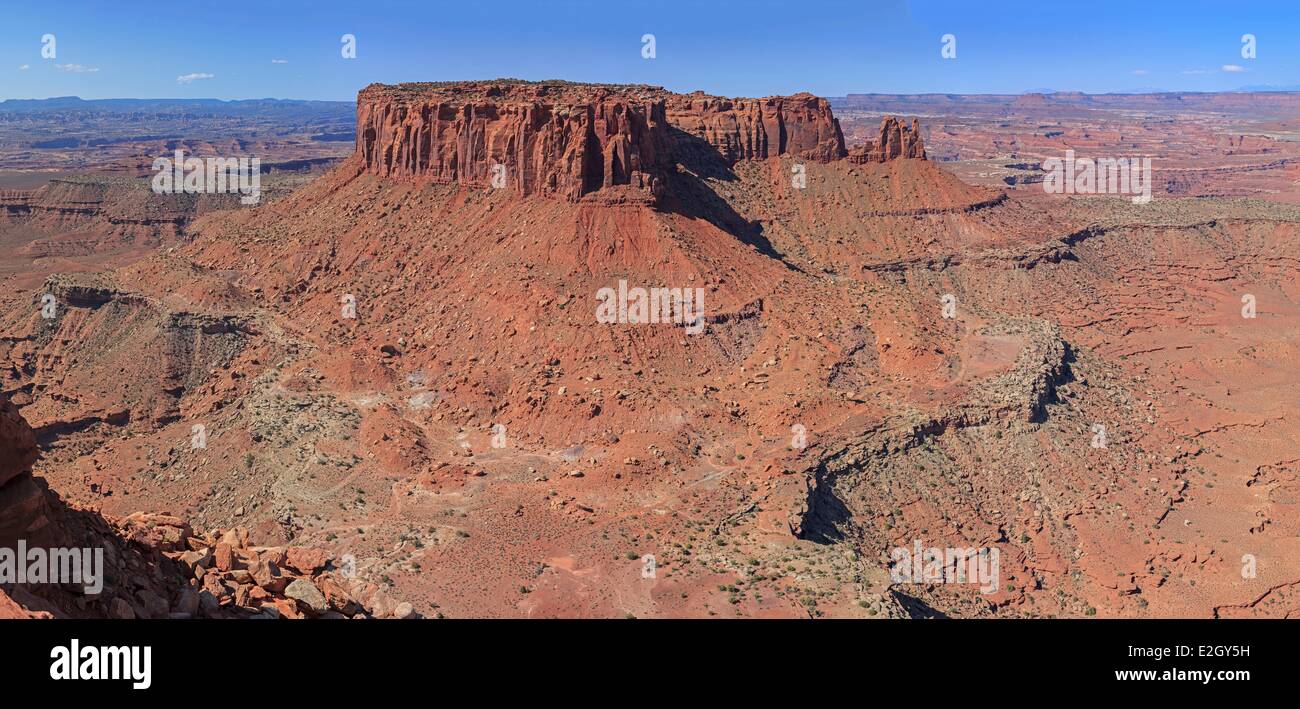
(575, 140)
(155, 565)
(1203, 145)
(400, 364)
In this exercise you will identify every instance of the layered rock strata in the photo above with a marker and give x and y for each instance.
(591, 142)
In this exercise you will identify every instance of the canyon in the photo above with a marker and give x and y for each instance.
(406, 401)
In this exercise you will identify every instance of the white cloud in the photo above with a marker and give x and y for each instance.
(24, 67)
(77, 68)
(190, 78)
(279, 61)
(1233, 68)
(1140, 72)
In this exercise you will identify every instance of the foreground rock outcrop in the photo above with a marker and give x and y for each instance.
(17, 443)
(226, 576)
(156, 565)
(22, 505)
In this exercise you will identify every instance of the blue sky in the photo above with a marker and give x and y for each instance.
(137, 49)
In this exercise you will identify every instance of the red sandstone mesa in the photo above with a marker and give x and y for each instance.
(551, 137)
(589, 141)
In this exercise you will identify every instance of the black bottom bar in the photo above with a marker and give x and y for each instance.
(743, 656)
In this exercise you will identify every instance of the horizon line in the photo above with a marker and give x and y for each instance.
(1046, 92)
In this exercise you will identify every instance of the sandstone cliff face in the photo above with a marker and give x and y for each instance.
(17, 443)
(22, 502)
(897, 140)
(590, 142)
(551, 138)
(83, 215)
(752, 129)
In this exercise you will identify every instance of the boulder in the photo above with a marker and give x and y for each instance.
(305, 561)
(268, 576)
(305, 592)
(187, 601)
(224, 556)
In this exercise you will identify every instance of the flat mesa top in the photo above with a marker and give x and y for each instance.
(498, 90)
